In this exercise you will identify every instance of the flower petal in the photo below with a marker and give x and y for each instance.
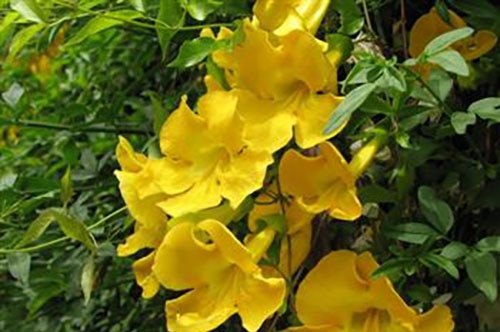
(258, 299)
(183, 134)
(481, 43)
(438, 319)
(259, 65)
(384, 295)
(343, 202)
(129, 160)
(180, 246)
(218, 108)
(268, 123)
(199, 310)
(428, 27)
(145, 277)
(321, 328)
(319, 304)
(143, 210)
(312, 116)
(243, 175)
(300, 242)
(204, 194)
(308, 184)
(306, 62)
(271, 13)
(142, 238)
(230, 248)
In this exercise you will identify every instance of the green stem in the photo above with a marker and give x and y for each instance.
(90, 129)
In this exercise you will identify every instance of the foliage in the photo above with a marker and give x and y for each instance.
(77, 75)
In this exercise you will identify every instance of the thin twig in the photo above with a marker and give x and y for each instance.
(403, 28)
(367, 17)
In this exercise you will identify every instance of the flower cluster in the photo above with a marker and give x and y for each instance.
(282, 88)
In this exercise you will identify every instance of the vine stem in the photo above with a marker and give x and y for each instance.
(90, 129)
(157, 23)
(64, 238)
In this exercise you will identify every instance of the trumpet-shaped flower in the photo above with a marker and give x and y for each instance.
(339, 295)
(208, 156)
(221, 274)
(282, 82)
(326, 182)
(431, 25)
(141, 197)
(283, 16)
(299, 230)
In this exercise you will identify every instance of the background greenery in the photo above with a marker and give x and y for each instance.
(429, 203)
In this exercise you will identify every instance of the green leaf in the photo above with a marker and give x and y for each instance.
(101, 23)
(446, 39)
(13, 94)
(486, 109)
(482, 271)
(433, 260)
(451, 61)
(394, 265)
(441, 83)
(455, 250)
(73, 228)
(411, 232)
(21, 38)
(66, 187)
(351, 103)
(44, 294)
(351, 18)
(87, 280)
(340, 45)
(19, 264)
(194, 51)
(36, 229)
(375, 193)
(70, 226)
(7, 179)
(170, 19)
(217, 73)
(391, 78)
(200, 9)
(460, 121)
(8, 20)
(376, 105)
(491, 243)
(436, 211)
(29, 9)
(137, 4)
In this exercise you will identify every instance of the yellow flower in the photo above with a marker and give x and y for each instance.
(282, 82)
(326, 182)
(221, 274)
(208, 156)
(299, 230)
(141, 197)
(283, 16)
(338, 295)
(431, 25)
